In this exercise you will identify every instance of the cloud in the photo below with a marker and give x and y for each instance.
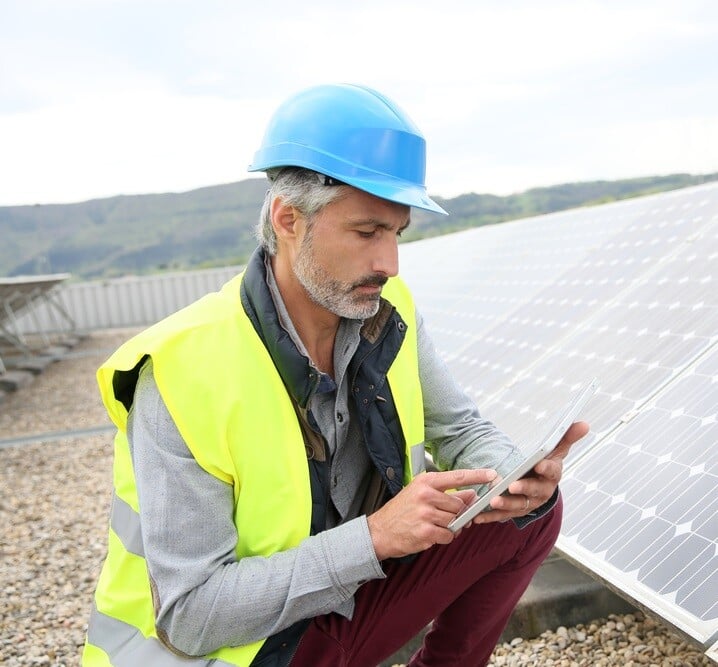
(133, 142)
(99, 97)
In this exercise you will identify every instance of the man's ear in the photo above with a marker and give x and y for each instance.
(284, 219)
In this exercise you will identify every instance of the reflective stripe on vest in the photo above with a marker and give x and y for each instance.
(418, 459)
(126, 524)
(234, 399)
(126, 646)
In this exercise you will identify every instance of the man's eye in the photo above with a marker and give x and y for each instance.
(366, 235)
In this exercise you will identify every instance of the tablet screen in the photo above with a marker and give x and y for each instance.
(542, 447)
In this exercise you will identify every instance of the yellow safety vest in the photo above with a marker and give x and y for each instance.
(228, 397)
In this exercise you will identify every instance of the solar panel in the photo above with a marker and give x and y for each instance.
(644, 510)
(638, 333)
(19, 295)
(627, 293)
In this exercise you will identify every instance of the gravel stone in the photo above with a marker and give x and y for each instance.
(54, 504)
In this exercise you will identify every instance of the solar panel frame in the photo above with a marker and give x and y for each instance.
(712, 652)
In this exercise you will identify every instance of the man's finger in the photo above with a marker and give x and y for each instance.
(550, 469)
(466, 496)
(574, 433)
(453, 479)
(535, 487)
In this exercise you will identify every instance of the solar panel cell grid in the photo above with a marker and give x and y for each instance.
(670, 476)
(626, 293)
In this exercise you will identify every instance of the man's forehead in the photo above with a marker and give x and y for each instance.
(359, 206)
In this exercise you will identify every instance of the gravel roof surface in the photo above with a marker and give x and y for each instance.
(54, 503)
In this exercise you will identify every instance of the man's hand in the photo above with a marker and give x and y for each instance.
(416, 518)
(532, 491)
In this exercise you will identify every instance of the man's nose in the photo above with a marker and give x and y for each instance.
(386, 261)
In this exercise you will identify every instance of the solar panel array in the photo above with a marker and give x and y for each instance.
(524, 312)
(21, 295)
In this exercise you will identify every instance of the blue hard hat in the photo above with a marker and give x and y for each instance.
(353, 134)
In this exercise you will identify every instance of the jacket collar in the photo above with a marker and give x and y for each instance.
(295, 368)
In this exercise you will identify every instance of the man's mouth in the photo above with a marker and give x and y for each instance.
(373, 284)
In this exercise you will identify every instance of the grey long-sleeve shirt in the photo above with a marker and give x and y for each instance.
(207, 599)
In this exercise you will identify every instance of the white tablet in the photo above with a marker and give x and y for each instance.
(542, 448)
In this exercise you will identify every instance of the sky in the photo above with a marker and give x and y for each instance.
(107, 97)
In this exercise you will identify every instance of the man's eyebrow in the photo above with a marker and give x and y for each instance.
(372, 222)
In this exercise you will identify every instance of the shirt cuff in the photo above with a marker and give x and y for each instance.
(350, 555)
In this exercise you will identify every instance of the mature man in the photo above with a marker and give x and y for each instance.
(271, 505)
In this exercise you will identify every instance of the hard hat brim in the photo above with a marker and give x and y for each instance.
(409, 195)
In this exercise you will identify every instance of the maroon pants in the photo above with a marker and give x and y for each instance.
(468, 588)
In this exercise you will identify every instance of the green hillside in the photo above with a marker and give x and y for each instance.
(214, 226)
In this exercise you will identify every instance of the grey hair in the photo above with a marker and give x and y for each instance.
(301, 188)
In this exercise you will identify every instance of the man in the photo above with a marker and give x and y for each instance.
(271, 505)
